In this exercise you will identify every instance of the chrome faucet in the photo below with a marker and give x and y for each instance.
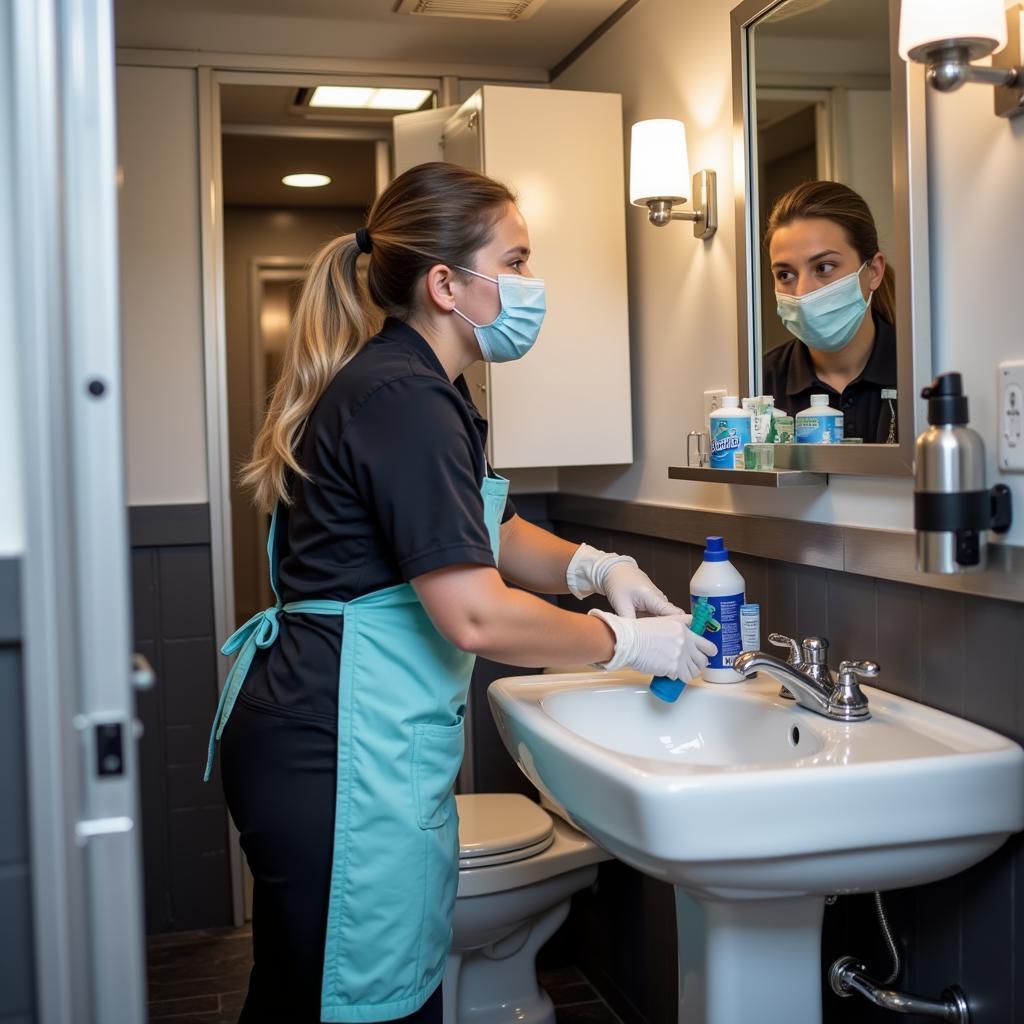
(808, 679)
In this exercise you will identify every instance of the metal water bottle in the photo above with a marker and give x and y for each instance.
(953, 509)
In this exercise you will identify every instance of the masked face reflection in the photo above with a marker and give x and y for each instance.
(823, 287)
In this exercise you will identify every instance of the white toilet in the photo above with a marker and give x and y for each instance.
(518, 867)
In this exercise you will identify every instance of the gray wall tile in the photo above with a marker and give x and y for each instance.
(942, 650)
(992, 650)
(987, 946)
(812, 604)
(851, 618)
(13, 803)
(184, 822)
(16, 967)
(779, 608)
(186, 592)
(899, 638)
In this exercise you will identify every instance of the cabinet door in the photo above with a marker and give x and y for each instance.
(567, 403)
(417, 137)
(463, 136)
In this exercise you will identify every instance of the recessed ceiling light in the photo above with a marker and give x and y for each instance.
(356, 97)
(306, 180)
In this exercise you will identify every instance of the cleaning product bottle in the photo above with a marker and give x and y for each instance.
(819, 424)
(718, 586)
(730, 431)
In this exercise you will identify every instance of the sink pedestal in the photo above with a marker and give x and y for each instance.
(749, 960)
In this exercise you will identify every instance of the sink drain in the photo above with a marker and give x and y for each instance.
(794, 736)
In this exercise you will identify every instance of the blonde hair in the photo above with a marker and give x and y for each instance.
(838, 203)
(430, 214)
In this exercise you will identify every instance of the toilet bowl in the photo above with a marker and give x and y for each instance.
(518, 868)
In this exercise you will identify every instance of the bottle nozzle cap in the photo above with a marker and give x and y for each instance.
(715, 550)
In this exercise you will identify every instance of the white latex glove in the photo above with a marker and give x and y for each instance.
(628, 588)
(662, 645)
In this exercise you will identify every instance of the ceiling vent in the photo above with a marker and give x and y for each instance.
(490, 10)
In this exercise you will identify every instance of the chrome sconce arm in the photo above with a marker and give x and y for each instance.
(704, 214)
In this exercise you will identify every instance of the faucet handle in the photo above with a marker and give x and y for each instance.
(848, 696)
(781, 640)
(849, 670)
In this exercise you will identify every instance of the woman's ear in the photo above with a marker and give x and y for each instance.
(439, 288)
(876, 270)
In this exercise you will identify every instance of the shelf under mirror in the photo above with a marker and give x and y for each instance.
(749, 477)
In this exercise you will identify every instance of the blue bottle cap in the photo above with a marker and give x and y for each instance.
(667, 689)
(715, 550)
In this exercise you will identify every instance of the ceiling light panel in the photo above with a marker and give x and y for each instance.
(492, 10)
(351, 97)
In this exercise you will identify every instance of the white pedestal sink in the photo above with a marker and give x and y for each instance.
(756, 810)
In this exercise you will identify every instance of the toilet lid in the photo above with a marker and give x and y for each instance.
(498, 828)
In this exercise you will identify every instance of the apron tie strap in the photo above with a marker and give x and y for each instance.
(256, 634)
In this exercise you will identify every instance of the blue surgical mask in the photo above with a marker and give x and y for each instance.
(512, 333)
(826, 319)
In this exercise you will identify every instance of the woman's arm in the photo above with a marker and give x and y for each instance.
(471, 606)
(534, 559)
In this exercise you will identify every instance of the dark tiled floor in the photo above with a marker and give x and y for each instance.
(201, 977)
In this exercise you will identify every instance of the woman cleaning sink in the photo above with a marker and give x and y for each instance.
(392, 544)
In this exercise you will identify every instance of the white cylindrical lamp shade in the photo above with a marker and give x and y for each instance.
(659, 167)
(926, 24)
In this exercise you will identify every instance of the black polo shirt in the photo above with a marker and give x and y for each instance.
(789, 375)
(395, 456)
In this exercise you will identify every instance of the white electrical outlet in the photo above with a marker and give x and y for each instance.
(1011, 416)
(712, 401)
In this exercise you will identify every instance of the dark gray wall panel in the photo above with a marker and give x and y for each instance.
(184, 821)
(17, 971)
(10, 601)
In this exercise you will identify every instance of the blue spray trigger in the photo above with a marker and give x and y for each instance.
(667, 689)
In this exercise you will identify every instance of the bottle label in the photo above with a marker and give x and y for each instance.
(728, 436)
(723, 627)
(823, 428)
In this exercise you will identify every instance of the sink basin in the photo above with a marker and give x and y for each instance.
(756, 809)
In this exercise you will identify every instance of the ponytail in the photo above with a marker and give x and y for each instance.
(332, 322)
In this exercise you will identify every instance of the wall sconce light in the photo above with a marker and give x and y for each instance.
(659, 177)
(948, 34)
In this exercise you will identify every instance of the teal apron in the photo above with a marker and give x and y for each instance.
(402, 690)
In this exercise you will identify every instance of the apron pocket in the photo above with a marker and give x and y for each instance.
(436, 757)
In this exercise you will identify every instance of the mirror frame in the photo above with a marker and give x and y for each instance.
(909, 254)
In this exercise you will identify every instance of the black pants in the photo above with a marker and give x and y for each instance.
(279, 780)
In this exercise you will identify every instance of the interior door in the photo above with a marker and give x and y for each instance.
(84, 865)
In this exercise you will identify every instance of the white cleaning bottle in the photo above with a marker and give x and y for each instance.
(718, 584)
(730, 431)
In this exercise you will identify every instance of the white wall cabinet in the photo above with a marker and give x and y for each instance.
(567, 403)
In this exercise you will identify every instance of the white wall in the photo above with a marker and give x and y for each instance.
(12, 538)
(682, 292)
(161, 286)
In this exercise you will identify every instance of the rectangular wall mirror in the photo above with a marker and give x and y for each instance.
(821, 94)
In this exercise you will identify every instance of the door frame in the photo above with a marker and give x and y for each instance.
(248, 71)
(263, 270)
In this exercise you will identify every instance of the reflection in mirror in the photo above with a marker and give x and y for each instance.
(823, 166)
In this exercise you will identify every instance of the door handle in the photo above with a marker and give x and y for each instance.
(143, 676)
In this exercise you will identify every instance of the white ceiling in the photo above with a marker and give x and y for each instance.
(365, 29)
